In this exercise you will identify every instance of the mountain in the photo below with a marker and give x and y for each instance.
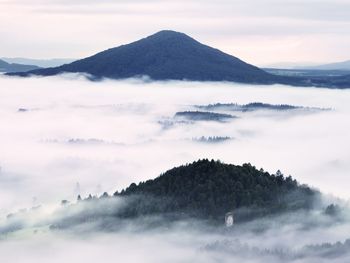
(7, 67)
(42, 63)
(170, 55)
(166, 55)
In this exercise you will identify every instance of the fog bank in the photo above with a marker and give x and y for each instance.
(63, 136)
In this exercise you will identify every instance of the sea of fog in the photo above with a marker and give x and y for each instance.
(64, 136)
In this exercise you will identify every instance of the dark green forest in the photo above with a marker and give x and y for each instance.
(209, 189)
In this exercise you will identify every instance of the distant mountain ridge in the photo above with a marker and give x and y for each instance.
(7, 67)
(42, 63)
(344, 65)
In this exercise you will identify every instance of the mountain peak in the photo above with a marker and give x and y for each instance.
(169, 35)
(168, 32)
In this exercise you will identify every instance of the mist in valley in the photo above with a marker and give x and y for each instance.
(67, 136)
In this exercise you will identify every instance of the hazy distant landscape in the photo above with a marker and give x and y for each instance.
(174, 131)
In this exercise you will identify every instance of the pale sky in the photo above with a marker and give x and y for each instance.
(258, 31)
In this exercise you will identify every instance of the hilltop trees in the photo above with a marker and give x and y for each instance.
(209, 189)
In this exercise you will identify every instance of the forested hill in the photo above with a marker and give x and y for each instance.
(209, 189)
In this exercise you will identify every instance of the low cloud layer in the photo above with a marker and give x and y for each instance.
(64, 136)
(304, 236)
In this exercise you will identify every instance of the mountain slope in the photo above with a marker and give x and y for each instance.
(7, 67)
(165, 55)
